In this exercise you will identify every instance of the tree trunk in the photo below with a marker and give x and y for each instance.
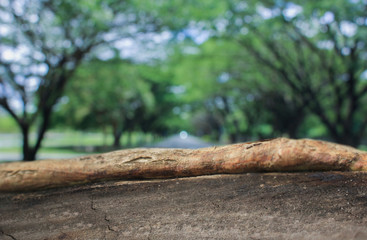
(45, 123)
(28, 152)
(232, 137)
(353, 140)
(346, 137)
(129, 138)
(263, 156)
(292, 129)
(116, 138)
(116, 132)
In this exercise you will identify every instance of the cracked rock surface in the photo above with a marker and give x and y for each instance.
(308, 205)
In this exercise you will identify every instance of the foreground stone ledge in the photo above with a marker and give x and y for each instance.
(275, 155)
(303, 205)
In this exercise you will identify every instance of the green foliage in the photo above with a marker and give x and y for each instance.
(315, 51)
(121, 96)
(235, 70)
(56, 37)
(176, 15)
(292, 59)
(7, 124)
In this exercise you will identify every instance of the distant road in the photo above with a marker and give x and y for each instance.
(182, 141)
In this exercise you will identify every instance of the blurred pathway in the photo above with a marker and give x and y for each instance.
(182, 140)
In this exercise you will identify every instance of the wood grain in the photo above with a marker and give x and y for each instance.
(275, 155)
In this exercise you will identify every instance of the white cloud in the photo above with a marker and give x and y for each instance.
(224, 77)
(32, 84)
(364, 75)
(292, 10)
(264, 12)
(33, 18)
(4, 30)
(4, 3)
(39, 69)
(199, 36)
(348, 29)
(15, 54)
(178, 89)
(327, 18)
(326, 44)
(104, 53)
(124, 43)
(8, 54)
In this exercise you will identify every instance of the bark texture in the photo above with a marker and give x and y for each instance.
(275, 155)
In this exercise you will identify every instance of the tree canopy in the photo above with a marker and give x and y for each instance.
(229, 70)
(44, 43)
(305, 56)
(120, 95)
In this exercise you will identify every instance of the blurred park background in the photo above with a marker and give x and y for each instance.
(86, 76)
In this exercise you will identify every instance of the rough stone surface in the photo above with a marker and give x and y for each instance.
(308, 205)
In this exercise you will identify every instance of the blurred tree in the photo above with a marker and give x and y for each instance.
(317, 50)
(42, 44)
(106, 94)
(120, 95)
(226, 88)
(161, 119)
(314, 53)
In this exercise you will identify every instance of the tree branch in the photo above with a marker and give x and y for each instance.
(5, 105)
(263, 156)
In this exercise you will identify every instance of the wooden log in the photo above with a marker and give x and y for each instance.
(275, 155)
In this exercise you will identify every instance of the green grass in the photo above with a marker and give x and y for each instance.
(10, 149)
(7, 124)
(57, 142)
(42, 150)
(69, 142)
(57, 150)
(72, 138)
